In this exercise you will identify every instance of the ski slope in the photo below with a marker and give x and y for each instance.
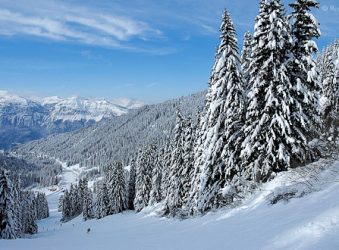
(308, 222)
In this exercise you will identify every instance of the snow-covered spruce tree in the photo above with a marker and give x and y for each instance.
(330, 92)
(190, 205)
(155, 195)
(143, 184)
(245, 60)
(225, 77)
(304, 79)
(7, 208)
(270, 141)
(173, 200)
(131, 185)
(17, 195)
(75, 199)
(82, 189)
(115, 189)
(166, 163)
(101, 202)
(29, 213)
(71, 203)
(42, 209)
(234, 112)
(88, 212)
(66, 206)
(187, 169)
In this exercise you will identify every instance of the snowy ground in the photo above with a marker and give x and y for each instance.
(308, 222)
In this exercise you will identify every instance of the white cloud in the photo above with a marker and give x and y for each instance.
(73, 23)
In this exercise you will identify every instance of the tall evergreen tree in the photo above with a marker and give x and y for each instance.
(102, 201)
(143, 184)
(304, 78)
(234, 108)
(225, 77)
(330, 91)
(166, 163)
(7, 208)
(173, 199)
(29, 212)
(187, 170)
(42, 209)
(88, 212)
(131, 186)
(155, 195)
(82, 189)
(66, 206)
(269, 142)
(17, 194)
(116, 189)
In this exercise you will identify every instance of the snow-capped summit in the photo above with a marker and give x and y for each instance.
(6, 98)
(77, 108)
(24, 119)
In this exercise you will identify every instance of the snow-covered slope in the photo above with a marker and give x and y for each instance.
(23, 119)
(310, 221)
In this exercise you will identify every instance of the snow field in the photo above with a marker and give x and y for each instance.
(308, 222)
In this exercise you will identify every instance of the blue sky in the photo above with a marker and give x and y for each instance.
(148, 50)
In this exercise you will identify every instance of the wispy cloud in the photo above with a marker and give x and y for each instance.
(74, 23)
(142, 26)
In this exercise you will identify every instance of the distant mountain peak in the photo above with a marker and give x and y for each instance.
(38, 117)
(7, 97)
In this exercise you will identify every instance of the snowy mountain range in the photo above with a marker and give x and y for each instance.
(25, 119)
(120, 139)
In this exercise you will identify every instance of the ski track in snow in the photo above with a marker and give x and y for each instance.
(309, 222)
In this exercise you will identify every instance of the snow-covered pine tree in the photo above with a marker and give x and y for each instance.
(213, 128)
(82, 189)
(304, 79)
(269, 142)
(155, 195)
(42, 209)
(143, 184)
(29, 213)
(131, 186)
(166, 163)
(101, 202)
(116, 189)
(71, 203)
(190, 205)
(75, 201)
(8, 228)
(246, 60)
(17, 195)
(173, 202)
(330, 92)
(87, 209)
(187, 170)
(66, 206)
(234, 110)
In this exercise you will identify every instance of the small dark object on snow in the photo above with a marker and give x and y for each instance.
(88, 230)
